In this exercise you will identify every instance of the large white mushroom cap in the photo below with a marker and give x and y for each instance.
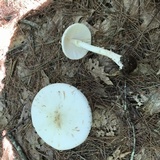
(61, 116)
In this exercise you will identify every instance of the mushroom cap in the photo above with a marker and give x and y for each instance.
(75, 31)
(61, 116)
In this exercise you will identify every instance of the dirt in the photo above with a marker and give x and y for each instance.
(125, 107)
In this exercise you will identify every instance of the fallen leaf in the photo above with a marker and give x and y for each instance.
(116, 155)
(145, 69)
(144, 153)
(17, 41)
(140, 99)
(23, 72)
(44, 79)
(152, 106)
(25, 94)
(131, 6)
(98, 71)
(25, 113)
(150, 16)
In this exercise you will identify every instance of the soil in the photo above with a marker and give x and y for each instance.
(125, 107)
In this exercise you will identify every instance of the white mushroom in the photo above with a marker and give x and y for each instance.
(76, 42)
(61, 116)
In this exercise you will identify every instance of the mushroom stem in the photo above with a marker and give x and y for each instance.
(114, 56)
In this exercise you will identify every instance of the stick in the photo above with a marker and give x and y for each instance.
(130, 123)
(30, 23)
(134, 141)
(17, 147)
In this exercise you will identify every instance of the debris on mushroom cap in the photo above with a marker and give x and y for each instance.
(61, 116)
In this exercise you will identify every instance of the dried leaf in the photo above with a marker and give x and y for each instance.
(3, 121)
(144, 153)
(1, 106)
(154, 37)
(32, 138)
(25, 113)
(140, 99)
(110, 158)
(152, 106)
(23, 72)
(25, 94)
(145, 69)
(131, 6)
(69, 69)
(97, 71)
(105, 123)
(147, 17)
(106, 24)
(118, 155)
(150, 16)
(44, 79)
(18, 40)
(58, 19)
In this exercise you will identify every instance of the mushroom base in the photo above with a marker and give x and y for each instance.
(129, 63)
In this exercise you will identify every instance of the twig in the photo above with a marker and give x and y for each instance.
(30, 23)
(134, 141)
(129, 121)
(17, 147)
(15, 144)
(125, 96)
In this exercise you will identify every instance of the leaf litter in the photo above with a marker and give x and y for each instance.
(115, 25)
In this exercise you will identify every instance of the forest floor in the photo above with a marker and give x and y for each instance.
(125, 108)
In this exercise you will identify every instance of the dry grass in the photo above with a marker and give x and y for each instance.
(40, 52)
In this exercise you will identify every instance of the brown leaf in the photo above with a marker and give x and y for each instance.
(152, 106)
(98, 71)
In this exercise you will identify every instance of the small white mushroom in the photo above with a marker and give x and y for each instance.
(76, 42)
(61, 116)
